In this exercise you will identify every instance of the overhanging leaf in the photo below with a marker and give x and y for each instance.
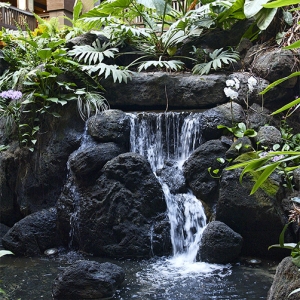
(264, 176)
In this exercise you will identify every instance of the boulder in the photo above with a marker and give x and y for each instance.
(258, 116)
(195, 170)
(238, 147)
(87, 162)
(268, 136)
(258, 218)
(88, 280)
(220, 244)
(172, 174)
(160, 90)
(116, 215)
(110, 126)
(286, 280)
(34, 234)
(275, 64)
(227, 114)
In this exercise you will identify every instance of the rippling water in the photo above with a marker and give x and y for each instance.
(161, 278)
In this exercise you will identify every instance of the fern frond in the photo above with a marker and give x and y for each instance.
(91, 102)
(172, 65)
(93, 54)
(218, 58)
(109, 70)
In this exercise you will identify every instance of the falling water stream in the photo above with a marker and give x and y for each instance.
(167, 140)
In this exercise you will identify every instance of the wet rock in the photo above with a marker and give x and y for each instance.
(160, 90)
(258, 218)
(86, 163)
(33, 234)
(36, 178)
(286, 280)
(173, 175)
(110, 126)
(119, 211)
(226, 114)
(88, 280)
(85, 39)
(268, 136)
(258, 116)
(220, 244)
(195, 170)
(9, 210)
(3, 230)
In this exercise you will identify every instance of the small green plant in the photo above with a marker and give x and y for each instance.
(239, 130)
(294, 217)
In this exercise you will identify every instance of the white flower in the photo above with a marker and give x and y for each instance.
(252, 82)
(233, 82)
(230, 82)
(231, 93)
(237, 83)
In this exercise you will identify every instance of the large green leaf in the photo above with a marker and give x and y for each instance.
(252, 7)
(293, 46)
(77, 9)
(287, 106)
(275, 83)
(280, 3)
(161, 6)
(264, 17)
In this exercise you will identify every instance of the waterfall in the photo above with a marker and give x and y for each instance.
(74, 193)
(165, 137)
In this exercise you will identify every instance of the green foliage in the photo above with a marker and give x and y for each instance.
(239, 130)
(218, 58)
(294, 247)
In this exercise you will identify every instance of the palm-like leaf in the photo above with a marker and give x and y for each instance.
(218, 58)
(109, 70)
(93, 54)
(172, 65)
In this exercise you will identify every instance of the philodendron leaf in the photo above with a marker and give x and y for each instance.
(5, 252)
(296, 261)
(294, 292)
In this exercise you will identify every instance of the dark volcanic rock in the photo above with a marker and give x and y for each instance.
(195, 170)
(160, 90)
(286, 280)
(226, 114)
(86, 163)
(258, 218)
(88, 280)
(118, 211)
(220, 244)
(110, 126)
(33, 234)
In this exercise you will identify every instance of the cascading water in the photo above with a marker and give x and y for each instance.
(75, 216)
(172, 137)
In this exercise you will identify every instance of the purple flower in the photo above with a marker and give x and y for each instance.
(11, 94)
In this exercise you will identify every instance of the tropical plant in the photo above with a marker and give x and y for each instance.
(161, 29)
(239, 130)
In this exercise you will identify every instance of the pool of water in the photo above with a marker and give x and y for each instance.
(161, 278)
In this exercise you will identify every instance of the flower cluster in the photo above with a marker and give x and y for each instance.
(11, 95)
(233, 85)
(274, 158)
